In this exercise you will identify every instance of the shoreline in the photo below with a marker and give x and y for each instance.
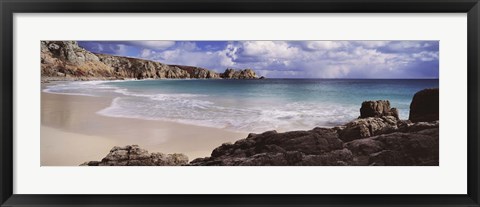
(72, 132)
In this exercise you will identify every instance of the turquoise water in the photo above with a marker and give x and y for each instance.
(248, 105)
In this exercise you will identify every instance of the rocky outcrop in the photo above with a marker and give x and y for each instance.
(272, 148)
(398, 148)
(367, 127)
(320, 146)
(132, 155)
(239, 74)
(141, 69)
(197, 72)
(376, 138)
(66, 60)
(377, 109)
(425, 106)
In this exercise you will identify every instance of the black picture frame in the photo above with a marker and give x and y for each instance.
(10, 7)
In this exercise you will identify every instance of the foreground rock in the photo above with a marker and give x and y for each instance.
(320, 147)
(378, 137)
(415, 147)
(66, 60)
(272, 148)
(132, 155)
(377, 109)
(425, 105)
(367, 127)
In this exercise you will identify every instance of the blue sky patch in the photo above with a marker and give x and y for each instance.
(290, 59)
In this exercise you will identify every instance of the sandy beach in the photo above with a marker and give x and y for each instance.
(72, 132)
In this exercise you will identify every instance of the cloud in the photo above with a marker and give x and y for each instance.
(153, 45)
(426, 56)
(187, 53)
(323, 45)
(372, 44)
(294, 59)
(107, 48)
(267, 49)
(125, 48)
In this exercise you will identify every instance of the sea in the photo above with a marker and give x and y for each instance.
(247, 105)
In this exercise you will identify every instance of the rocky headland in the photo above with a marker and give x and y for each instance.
(132, 155)
(66, 60)
(377, 137)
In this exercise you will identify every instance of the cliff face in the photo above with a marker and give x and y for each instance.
(66, 60)
(239, 74)
(140, 69)
(196, 72)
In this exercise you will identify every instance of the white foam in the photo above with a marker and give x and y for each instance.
(81, 88)
(65, 93)
(187, 109)
(213, 111)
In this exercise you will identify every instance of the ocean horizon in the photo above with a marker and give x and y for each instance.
(282, 104)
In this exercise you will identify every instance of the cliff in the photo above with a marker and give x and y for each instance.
(198, 72)
(66, 60)
(239, 74)
(125, 67)
(377, 137)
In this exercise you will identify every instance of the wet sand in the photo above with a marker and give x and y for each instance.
(72, 132)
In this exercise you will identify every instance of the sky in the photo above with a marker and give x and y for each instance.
(289, 59)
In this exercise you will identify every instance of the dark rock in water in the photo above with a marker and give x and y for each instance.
(132, 155)
(377, 109)
(262, 77)
(425, 106)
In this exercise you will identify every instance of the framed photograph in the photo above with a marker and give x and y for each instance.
(239, 103)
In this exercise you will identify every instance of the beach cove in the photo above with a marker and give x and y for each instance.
(72, 132)
(83, 120)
